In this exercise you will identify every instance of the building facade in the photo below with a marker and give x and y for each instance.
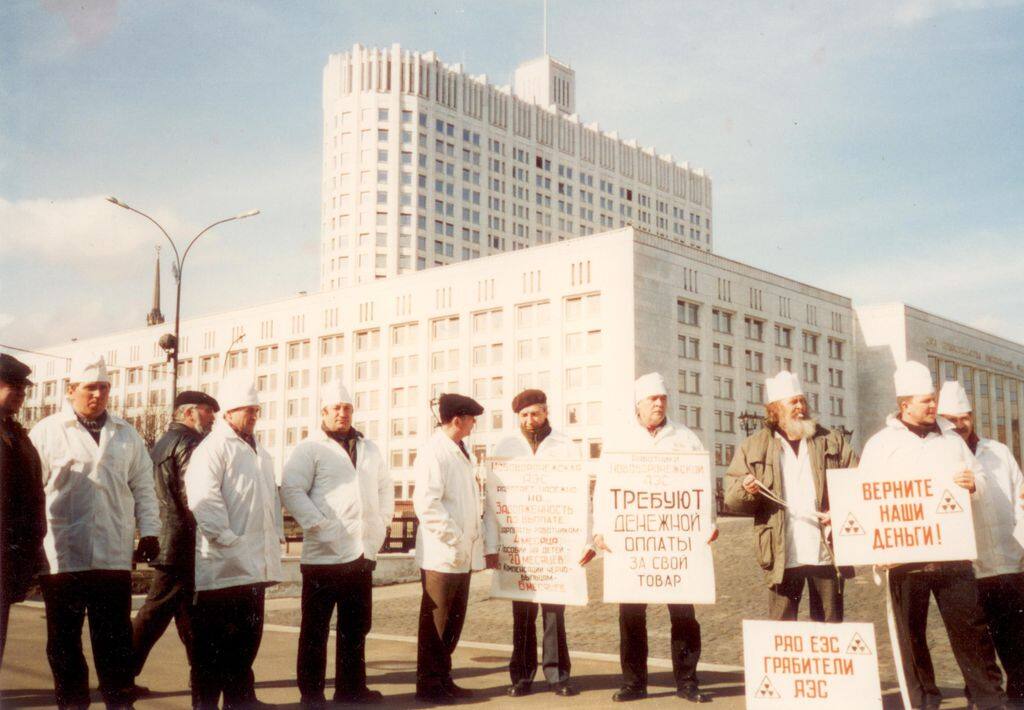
(425, 165)
(990, 368)
(578, 319)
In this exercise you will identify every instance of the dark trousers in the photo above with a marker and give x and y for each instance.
(1002, 598)
(442, 614)
(5, 617)
(523, 664)
(228, 628)
(685, 644)
(956, 595)
(349, 587)
(106, 596)
(170, 597)
(824, 591)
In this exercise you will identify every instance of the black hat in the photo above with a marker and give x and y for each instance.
(456, 405)
(13, 371)
(193, 397)
(527, 398)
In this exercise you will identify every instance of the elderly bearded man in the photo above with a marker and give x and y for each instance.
(999, 568)
(172, 588)
(99, 485)
(536, 439)
(339, 490)
(232, 493)
(447, 503)
(911, 439)
(789, 457)
(652, 430)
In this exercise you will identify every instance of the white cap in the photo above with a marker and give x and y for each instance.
(334, 392)
(650, 385)
(913, 378)
(237, 391)
(88, 367)
(953, 399)
(783, 386)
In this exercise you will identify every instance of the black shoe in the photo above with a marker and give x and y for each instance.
(140, 691)
(457, 691)
(627, 694)
(435, 696)
(520, 688)
(566, 689)
(363, 696)
(313, 703)
(693, 694)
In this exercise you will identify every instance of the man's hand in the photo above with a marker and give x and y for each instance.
(714, 535)
(824, 518)
(148, 549)
(599, 543)
(587, 557)
(965, 479)
(750, 484)
(491, 561)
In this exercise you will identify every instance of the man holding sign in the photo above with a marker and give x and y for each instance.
(913, 438)
(535, 440)
(778, 476)
(1000, 564)
(651, 430)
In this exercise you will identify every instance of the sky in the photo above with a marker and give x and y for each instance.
(869, 148)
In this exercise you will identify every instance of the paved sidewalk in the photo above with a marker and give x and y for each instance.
(25, 681)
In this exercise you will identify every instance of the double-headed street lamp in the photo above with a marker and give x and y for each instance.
(167, 341)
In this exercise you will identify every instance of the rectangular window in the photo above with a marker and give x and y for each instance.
(754, 328)
(810, 343)
(783, 336)
(688, 313)
(721, 321)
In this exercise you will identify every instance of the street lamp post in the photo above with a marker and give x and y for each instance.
(170, 344)
(749, 421)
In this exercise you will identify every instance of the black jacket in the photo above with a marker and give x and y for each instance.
(22, 512)
(170, 456)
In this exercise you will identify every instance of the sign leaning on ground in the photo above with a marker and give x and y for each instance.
(541, 510)
(654, 510)
(886, 517)
(793, 664)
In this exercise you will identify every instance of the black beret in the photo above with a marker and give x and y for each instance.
(13, 371)
(456, 405)
(528, 397)
(193, 397)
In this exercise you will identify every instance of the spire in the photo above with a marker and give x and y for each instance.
(155, 317)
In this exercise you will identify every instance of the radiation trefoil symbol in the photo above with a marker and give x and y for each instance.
(948, 503)
(765, 690)
(858, 647)
(851, 526)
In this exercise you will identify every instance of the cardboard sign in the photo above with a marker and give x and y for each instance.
(885, 517)
(655, 512)
(791, 664)
(541, 510)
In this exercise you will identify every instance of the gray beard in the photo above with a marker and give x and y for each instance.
(798, 429)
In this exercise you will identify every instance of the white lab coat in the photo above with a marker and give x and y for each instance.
(239, 527)
(96, 494)
(447, 503)
(995, 510)
(344, 510)
(555, 445)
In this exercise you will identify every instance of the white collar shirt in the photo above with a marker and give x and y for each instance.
(803, 532)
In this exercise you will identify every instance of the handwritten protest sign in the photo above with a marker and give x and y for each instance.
(654, 510)
(540, 507)
(793, 664)
(882, 517)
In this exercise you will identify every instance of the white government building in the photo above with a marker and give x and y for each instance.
(424, 167)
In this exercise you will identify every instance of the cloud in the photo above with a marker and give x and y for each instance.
(911, 12)
(84, 231)
(88, 22)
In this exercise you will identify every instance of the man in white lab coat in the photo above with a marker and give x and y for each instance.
(98, 482)
(232, 493)
(338, 489)
(913, 439)
(447, 504)
(999, 568)
(535, 439)
(652, 430)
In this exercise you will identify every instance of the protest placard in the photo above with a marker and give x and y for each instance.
(540, 509)
(655, 512)
(791, 664)
(886, 517)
